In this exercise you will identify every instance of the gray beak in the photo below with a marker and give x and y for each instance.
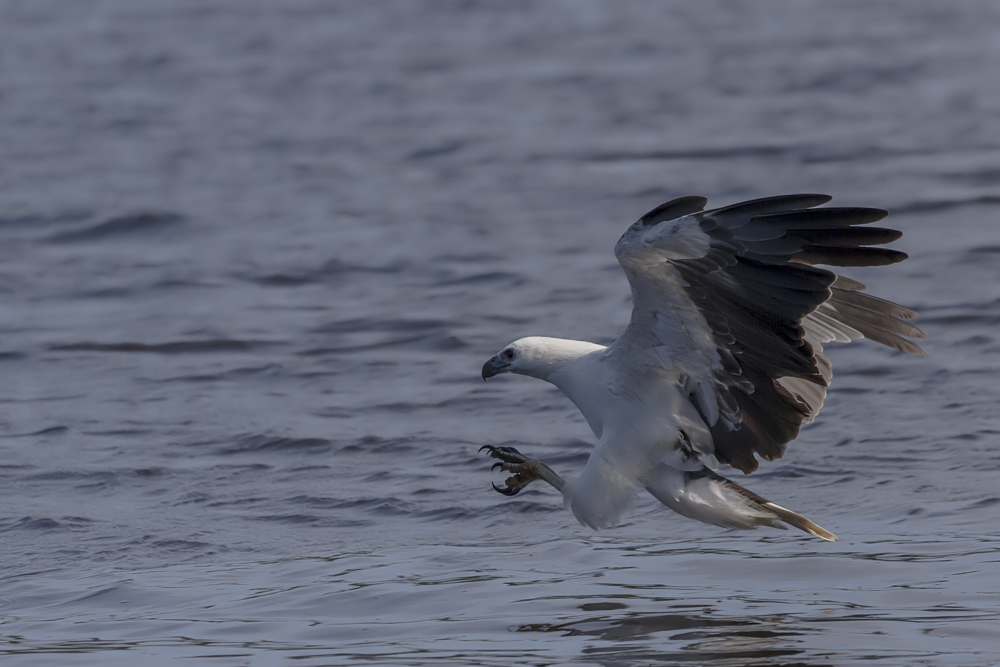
(494, 366)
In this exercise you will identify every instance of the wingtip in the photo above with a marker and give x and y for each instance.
(817, 195)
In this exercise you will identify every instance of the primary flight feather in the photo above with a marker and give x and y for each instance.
(722, 360)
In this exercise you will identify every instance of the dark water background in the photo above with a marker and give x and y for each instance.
(253, 255)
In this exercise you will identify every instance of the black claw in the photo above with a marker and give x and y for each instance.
(509, 456)
(506, 491)
(502, 452)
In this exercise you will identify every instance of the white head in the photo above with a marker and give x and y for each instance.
(537, 356)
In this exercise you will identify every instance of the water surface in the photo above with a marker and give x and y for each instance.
(254, 254)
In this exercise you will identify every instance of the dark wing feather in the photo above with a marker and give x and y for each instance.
(842, 256)
(767, 205)
(673, 209)
(770, 310)
(849, 236)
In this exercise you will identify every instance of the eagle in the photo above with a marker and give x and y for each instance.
(722, 361)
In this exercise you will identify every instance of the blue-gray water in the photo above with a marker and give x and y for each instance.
(254, 254)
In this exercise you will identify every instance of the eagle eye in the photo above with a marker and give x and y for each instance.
(508, 354)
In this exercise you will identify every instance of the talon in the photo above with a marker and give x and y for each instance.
(525, 470)
(506, 491)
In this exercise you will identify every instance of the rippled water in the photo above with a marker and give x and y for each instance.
(253, 255)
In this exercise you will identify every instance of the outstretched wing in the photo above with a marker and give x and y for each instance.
(732, 301)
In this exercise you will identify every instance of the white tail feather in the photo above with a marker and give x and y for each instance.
(711, 498)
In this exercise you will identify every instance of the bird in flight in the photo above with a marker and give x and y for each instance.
(722, 359)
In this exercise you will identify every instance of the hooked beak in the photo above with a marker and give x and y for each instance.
(495, 366)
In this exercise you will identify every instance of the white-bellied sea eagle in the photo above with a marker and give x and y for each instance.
(722, 359)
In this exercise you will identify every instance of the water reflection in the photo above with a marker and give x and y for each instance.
(645, 638)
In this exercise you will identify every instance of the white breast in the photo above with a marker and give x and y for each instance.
(641, 424)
